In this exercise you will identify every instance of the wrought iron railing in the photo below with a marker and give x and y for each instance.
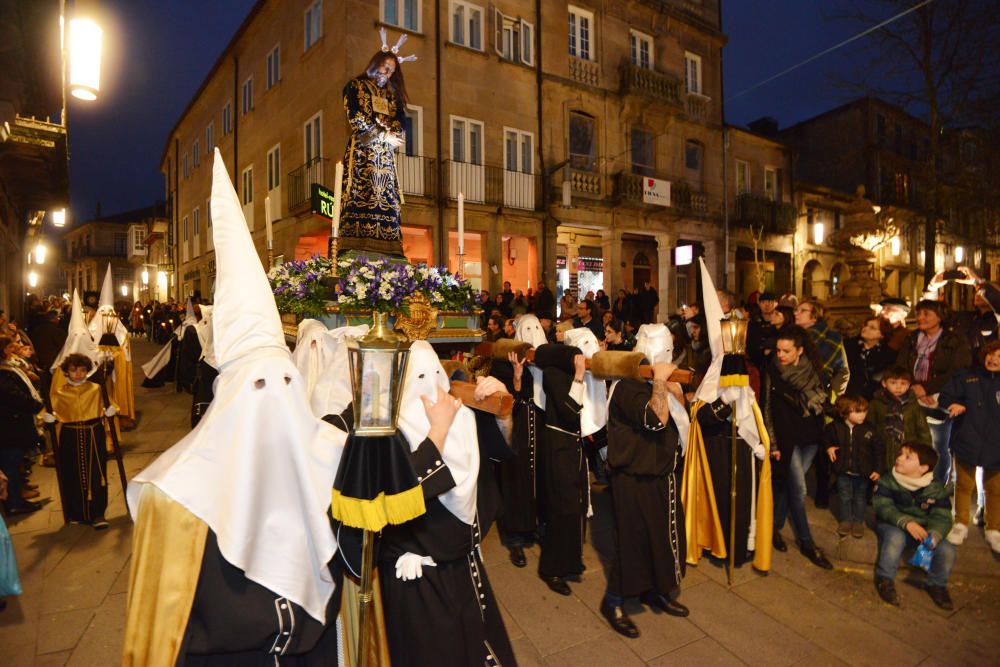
(488, 184)
(300, 181)
(684, 200)
(761, 212)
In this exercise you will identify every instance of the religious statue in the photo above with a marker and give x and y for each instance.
(375, 102)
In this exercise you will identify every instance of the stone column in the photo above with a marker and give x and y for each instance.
(611, 253)
(665, 273)
(572, 259)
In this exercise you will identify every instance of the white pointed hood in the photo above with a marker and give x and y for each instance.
(205, 337)
(657, 343)
(107, 292)
(78, 340)
(106, 315)
(332, 393)
(424, 375)
(529, 330)
(708, 391)
(594, 415)
(259, 467)
(309, 354)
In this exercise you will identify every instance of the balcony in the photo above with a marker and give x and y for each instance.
(683, 200)
(583, 71)
(636, 80)
(486, 184)
(761, 212)
(417, 175)
(99, 251)
(698, 107)
(300, 182)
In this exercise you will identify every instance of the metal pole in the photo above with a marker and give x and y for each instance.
(365, 597)
(732, 502)
(114, 434)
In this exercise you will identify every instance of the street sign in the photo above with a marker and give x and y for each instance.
(655, 191)
(322, 201)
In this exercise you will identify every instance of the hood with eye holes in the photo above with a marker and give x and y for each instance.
(584, 339)
(529, 330)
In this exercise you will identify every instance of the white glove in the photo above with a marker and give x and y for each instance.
(487, 386)
(111, 411)
(48, 418)
(410, 566)
(729, 395)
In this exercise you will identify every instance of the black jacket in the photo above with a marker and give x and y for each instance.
(17, 412)
(975, 439)
(951, 354)
(866, 366)
(859, 450)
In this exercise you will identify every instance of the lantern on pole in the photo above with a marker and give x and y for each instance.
(377, 364)
(734, 374)
(85, 38)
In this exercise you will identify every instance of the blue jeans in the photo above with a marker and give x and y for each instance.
(790, 501)
(941, 437)
(853, 493)
(892, 541)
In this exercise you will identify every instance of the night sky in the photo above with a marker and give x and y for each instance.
(157, 54)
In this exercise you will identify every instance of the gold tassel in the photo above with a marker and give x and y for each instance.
(383, 509)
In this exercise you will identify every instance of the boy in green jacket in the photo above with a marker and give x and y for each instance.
(910, 507)
(896, 416)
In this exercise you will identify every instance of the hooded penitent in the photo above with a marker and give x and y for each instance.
(332, 393)
(259, 467)
(657, 343)
(106, 321)
(309, 355)
(424, 376)
(78, 340)
(594, 415)
(205, 337)
(529, 330)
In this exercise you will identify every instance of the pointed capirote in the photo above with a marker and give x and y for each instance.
(246, 317)
(107, 292)
(78, 338)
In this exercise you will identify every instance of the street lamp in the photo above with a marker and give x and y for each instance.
(59, 217)
(145, 277)
(818, 231)
(124, 289)
(896, 246)
(85, 38)
(32, 279)
(40, 251)
(959, 254)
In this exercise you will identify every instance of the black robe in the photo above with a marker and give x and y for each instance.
(716, 429)
(187, 359)
(518, 479)
(169, 371)
(202, 392)
(564, 487)
(643, 455)
(448, 616)
(235, 621)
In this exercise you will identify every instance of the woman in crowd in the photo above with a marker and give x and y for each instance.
(794, 402)
(868, 356)
(19, 403)
(567, 305)
(615, 336)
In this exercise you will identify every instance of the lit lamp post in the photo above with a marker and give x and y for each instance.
(734, 374)
(377, 365)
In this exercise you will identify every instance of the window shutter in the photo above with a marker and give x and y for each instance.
(527, 43)
(498, 31)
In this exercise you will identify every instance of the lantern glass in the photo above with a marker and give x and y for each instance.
(377, 370)
(59, 217)
(85, 38)
(734, 335)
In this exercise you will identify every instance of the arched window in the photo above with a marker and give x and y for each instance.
(810, 278)
(640, 259)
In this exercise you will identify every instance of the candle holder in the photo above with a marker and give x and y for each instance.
(270, 255)
(461, 264)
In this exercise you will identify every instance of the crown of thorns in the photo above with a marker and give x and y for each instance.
(395, 49)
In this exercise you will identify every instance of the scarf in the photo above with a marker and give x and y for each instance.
(913, 484)
(925, 350)
(803, 377)
(16, 369)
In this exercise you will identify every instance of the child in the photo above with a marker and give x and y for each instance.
(81, 457)
(855, 451)
(910, 507)
(897, 416)
(972, 397)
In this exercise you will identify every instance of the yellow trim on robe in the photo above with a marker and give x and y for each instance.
(168, 544)
(734, 381)
(704, 530)
(374, 514)
(81, 403)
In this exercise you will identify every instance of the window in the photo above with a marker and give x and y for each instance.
(138, 240)
(402, 14)
(208, 213)
(185, 166)
(581, 23)
(582, 151)
(770, 183)
(247, 190)
(312, 130)
(274, 168)
(184, 229)
(693, 152)
(209, 138)
(513, 38)
(313, 24)
(412, 131)
(466, 140)
(196, 152)
(518, 151)
(121, 243)
(742, 177)
(196, 220)
(274, 67)
(902, 188)
(641, 49)
(643, 146)
(248, 95)
(227, 119)
(467, 24)
(692, 73)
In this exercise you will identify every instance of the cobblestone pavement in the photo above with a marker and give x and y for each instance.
(75, 582)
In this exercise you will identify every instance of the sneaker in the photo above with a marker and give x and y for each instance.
(858, 529)
(958, 534)
(939, 595)
(844, 528)
(887, 590)
(100, 524)
(993, 539)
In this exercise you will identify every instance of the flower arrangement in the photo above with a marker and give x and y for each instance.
(298, 286)
(444, 290)
(384, 286)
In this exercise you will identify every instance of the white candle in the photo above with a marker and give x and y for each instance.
(338, 180)
(267, 222)
(461, 225)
